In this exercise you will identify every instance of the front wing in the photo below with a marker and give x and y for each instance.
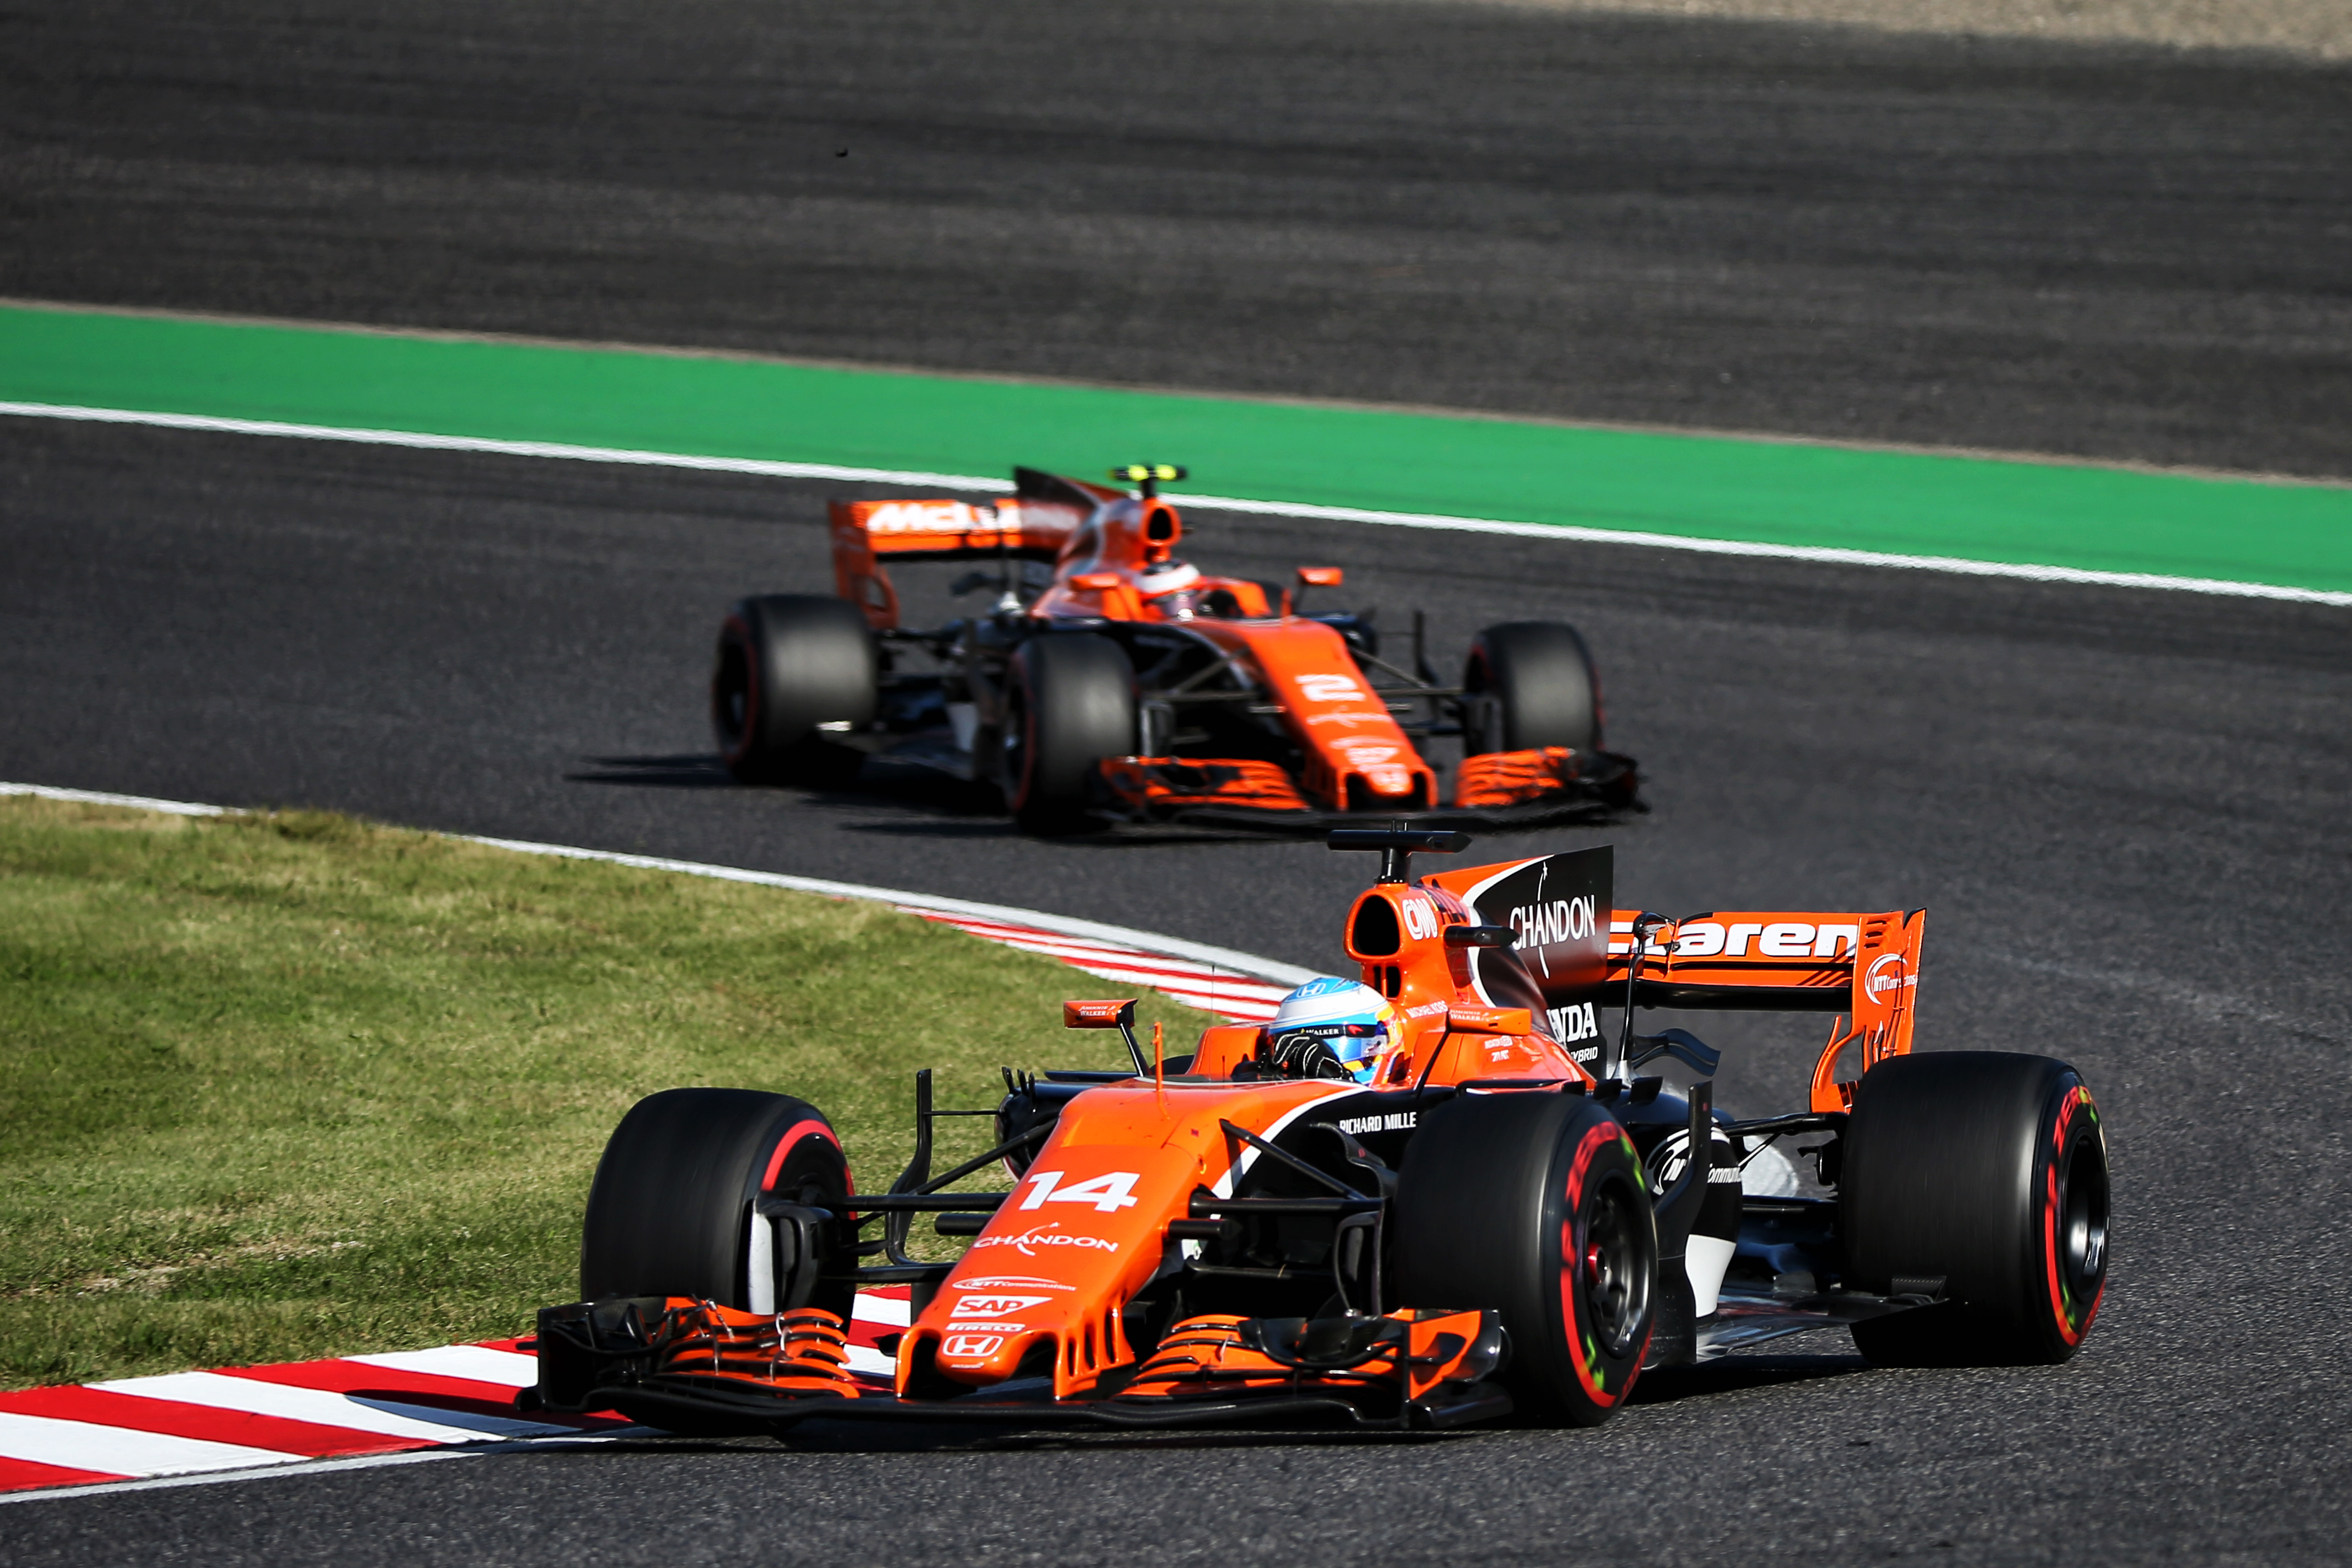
(1499, 791)
(701, 1369)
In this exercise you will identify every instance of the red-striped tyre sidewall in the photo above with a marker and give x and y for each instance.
(2066, 1309)
(1603, 1171)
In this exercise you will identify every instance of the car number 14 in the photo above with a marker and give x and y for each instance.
(1109, 1194)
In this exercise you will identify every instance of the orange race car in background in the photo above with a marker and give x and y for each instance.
(1112, 681)
(1429, 1197)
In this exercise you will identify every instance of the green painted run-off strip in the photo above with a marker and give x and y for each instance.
(1697, 486)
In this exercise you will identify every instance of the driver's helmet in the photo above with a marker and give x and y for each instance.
(1330, 1028)
(1171, 585)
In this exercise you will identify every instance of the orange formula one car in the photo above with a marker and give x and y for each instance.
(1431, 1198)
(1112, 681)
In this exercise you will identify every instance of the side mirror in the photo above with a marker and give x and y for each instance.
(1480, 936)
(1120, 1016)
(1315, 577)
(1095, 582)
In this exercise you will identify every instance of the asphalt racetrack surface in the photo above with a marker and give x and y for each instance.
(2124, 810)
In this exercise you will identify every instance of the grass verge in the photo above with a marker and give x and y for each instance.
(294, 1085)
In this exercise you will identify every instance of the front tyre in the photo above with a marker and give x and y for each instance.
(672, 1211)
(1980, 1176)
(1070, 703)
(1527, 685)
(788, 663)
(1533, 1205)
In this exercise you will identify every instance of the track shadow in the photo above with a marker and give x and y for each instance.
(960, 828)
(877, 785)
(820, 1436)
(902, 787)
(1672, 1385)
(1664, 1386)
(1122, 837)
(690, 771)
(915, 802)
(868, 1437)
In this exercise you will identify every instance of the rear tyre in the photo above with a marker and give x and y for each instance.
(1070, 703)
(670, 1212)
(1533, 1205)
(1982, 1174)
(1529, 684)
(788, 663)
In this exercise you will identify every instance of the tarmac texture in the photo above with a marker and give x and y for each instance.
(2123, 253)
(2124, 810)
(2317, 28)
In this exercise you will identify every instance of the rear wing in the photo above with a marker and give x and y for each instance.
(937, 529)
(1865, 967)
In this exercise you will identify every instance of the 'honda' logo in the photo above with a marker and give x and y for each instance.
(969, 1347)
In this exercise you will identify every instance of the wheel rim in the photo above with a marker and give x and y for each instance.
(730, 693)
(2083, 1217)
(1016, 742)
(818, 1177)
(1482, 716)
(1613, 1285)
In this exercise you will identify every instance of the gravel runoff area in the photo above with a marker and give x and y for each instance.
(2319, 28)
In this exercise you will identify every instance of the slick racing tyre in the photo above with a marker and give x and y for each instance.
(672, 1210)
(1978, 1178)
(1533, 1205)
(1069, 702)
(1529, 684)
(788, 663)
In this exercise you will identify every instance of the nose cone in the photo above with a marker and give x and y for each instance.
(1043, 1287)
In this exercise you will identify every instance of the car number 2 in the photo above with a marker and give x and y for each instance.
(1327, 688)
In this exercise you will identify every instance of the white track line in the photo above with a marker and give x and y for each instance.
(1243, 965)
(297, 1468)
(99, 797)
(1822, 554)
(1175, 947)
(432, 443)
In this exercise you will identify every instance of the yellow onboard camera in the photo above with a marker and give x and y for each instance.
(1149, 476)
